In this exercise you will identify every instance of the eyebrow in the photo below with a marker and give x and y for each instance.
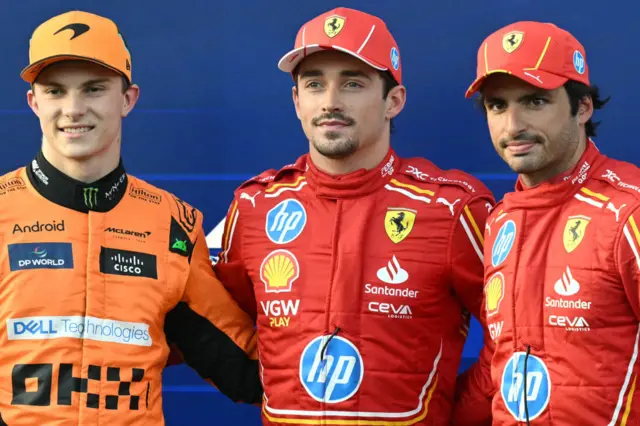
(345, 73)
(86, 83)
(527, 97)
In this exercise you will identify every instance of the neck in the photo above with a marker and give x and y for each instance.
(536, 178)
(85, 169)
(366, 158)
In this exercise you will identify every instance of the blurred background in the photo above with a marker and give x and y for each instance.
(215, 110)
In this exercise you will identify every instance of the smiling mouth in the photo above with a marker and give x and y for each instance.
(76, 130)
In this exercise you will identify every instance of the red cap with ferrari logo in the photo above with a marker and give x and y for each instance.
(347, 30)
(541, 54)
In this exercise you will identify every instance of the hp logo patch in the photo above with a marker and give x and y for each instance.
(395, 58)
(538, 390)
(503, 243)
(578, 62)
(286, 221)
(334, 374)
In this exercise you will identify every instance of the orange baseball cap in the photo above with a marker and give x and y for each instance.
(541, 54)
(77, 35)
(348, 30)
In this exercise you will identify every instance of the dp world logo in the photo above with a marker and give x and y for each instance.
(331, 369)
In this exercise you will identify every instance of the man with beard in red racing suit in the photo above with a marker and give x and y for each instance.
(562, 251)
(356, 265)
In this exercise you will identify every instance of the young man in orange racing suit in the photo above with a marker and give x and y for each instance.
(99, 268)
(562, 251)
(356, 264)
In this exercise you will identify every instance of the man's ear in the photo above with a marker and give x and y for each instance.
(396, 99)
(131, 97)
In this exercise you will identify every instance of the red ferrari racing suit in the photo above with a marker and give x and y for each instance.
(358, 284)
(561, 300)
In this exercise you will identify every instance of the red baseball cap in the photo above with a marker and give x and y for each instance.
(348, 30)
(541, 54)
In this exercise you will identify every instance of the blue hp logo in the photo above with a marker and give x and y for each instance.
(395, 58)
(334, 374)
(578, 62)
(503, 243)
(286, 221)
(538, 389)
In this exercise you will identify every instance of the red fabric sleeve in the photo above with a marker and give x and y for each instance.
(628, 260)
(474, 390)
(230, 268)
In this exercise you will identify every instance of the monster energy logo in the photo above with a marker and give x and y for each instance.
(90, 197)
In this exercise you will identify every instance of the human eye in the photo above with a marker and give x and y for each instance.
(538, 101)
(494, 105)
(95, 89)
(353, 85)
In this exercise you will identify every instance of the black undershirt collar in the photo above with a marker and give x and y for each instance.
(99, 196)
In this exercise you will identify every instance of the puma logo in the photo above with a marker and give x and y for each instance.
(448, 204)
(611, 207)
(252, 198)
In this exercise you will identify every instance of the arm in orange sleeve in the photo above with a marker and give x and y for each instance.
(474, 390)
(214, 335)
(628, 259)
(230, 268)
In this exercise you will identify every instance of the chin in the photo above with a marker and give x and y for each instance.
(336, 149)
(524, 166)
(79, 152)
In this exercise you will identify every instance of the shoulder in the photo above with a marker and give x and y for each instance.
(166, 203)
(13, 184)
(272, 179)
(619, 177)
(453, 181)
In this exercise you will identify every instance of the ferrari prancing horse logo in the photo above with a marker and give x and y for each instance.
(333, 25)
(574, 231)
(512, 40)
(398, 223)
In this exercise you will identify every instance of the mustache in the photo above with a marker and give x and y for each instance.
(521, 137)
(334, 116)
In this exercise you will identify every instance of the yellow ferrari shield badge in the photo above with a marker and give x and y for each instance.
(512, 40)
(333, 25)
(398, 223)
(574, 231)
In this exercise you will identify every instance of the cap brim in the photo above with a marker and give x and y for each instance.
(30, 77)
(541, 79)
(291, 60)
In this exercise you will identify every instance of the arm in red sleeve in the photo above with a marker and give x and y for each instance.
(628, 259)
(230, 268)
(474, 390)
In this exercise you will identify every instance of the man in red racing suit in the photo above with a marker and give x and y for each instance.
(356, 265)
(562, 258)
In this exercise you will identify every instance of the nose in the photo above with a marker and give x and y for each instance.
(333, 100)
(74, 106)
(514, 123)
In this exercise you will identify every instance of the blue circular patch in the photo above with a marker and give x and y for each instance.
(334, 374)
(538, 386)
(285, 221)
(503, 243)
(578, 62)
(395, 58)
